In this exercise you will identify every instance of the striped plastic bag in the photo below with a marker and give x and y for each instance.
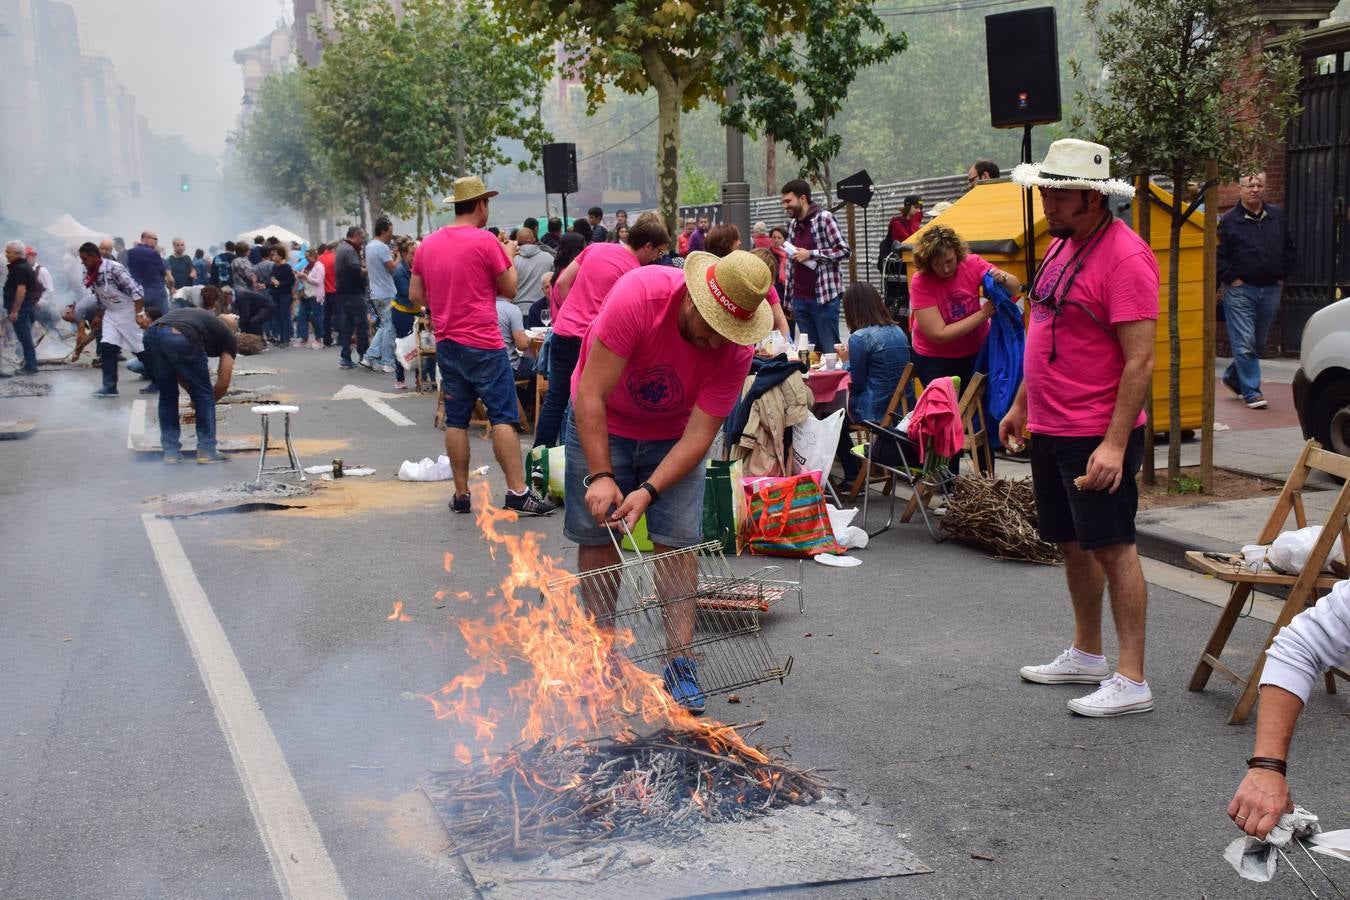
(788, 516)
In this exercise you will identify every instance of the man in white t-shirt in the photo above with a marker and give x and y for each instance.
(380, 265)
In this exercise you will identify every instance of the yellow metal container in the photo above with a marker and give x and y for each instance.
(989, 218)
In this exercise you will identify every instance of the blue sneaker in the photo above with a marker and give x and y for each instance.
(681, 678)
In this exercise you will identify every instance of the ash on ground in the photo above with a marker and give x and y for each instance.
(20, 388)
(242, 496)
(662, 789)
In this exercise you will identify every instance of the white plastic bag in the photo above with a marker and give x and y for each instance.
(405, 348)
(847, 535)
(426, 470)
(1289, 552)
(814, 443)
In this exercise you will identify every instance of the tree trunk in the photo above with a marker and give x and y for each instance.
(1174, 336)
(770, 166)
(313, 225)
(669, 94)
(375, 195)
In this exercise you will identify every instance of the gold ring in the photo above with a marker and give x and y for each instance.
(1239, 818)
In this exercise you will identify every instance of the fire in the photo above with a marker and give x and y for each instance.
(398, 615)
(572, 676)
(448, 562)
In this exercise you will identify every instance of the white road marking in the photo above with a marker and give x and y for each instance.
(136, 425)
(300, 861)
(375, 400)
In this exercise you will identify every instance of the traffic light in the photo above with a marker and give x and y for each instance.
(184, 184)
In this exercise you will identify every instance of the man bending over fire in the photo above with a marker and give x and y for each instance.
(660, 368)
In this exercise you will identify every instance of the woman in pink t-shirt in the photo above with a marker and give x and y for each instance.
(948, 322)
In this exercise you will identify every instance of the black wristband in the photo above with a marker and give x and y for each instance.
(596, 476)
(1268, 762)
(647, 486)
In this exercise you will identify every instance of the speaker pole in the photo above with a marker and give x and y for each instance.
(564, 207)
(1028, 212)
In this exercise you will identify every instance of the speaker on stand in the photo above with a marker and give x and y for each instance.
(1022, 48)
(560, 172)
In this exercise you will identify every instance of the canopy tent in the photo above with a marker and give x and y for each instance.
(284, 235)
(68, 229)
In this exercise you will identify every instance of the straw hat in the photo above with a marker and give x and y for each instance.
(1071, 164)
(729, 293)
(469, 188)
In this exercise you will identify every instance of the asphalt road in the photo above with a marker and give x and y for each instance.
(116, 779)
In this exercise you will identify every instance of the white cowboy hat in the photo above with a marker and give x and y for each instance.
(1071, 164)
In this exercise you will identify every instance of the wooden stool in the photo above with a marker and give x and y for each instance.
(292, 466)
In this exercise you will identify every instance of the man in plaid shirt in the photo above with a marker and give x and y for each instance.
(814, 282)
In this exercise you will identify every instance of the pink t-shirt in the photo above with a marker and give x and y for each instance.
(599, 266)
(956, 298)
(665, 376)
(459, 268)
(1075, 395)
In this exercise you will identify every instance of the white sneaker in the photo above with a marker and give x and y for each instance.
(388, 370)
(1116, 697)
(1066, 669)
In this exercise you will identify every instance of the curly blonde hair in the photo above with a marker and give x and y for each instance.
(935, 241)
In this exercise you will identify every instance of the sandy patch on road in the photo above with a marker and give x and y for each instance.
(259, 543)
(411, 822)
(348, 496)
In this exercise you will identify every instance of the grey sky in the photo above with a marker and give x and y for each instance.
(168, 52)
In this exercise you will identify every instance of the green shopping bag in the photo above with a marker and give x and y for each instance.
(723, 504)
(544, 467)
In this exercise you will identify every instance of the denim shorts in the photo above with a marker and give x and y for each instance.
(469, 374)
(676, 520)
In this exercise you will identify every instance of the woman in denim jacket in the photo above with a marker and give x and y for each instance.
(876, 355)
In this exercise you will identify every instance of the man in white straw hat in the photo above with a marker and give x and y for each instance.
(1088, 363)
(458, 273)
(660, 368)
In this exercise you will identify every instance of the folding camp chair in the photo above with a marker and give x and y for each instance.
(1303, 588)
(933, 478)
(895, 410)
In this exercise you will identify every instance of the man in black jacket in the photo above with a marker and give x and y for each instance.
(1255, 253)
(351, 297)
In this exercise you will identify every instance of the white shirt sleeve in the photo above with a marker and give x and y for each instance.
(1316, 640)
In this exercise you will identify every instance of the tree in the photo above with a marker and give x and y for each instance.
(682, 49)
(1187, 83)
(837, 47)
(422, 95)
(282, 157)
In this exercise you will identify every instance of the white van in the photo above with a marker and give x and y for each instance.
(1322, 383)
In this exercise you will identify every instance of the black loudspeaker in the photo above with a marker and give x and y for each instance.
(1023, 52)
(560, 168)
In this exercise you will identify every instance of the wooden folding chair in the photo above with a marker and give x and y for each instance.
(422, 325)
(966, 407)
(976, 426)
(895, 411)
(1303, 588)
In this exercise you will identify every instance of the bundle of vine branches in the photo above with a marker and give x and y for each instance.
(548, 799)
(999, 516)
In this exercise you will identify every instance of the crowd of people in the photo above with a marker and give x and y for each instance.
(647, 339)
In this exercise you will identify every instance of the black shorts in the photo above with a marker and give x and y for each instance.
(1092, 518)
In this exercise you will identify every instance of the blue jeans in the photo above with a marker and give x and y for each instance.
(308, 312)
(170, 357)
(1249, 311)
(676, 520)
(819, 320)
(23, 330)
(563, 355)
(471, 373)
(281, 319)
(381, 352)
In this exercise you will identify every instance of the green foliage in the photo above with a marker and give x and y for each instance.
(684, 50)
(697, 187)
(1185, 86)
(397, 92)
(1187, 484)
(795, 82)
(282, 156)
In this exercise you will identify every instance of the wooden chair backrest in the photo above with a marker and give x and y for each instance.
(898, 401)
(1312, 459)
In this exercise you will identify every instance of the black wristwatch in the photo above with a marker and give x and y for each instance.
(647, 486)
(596, 476)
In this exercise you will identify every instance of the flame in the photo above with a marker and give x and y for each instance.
(398, 615)
(572, 675)
(439, 595)
(462, 754)
(449, 561)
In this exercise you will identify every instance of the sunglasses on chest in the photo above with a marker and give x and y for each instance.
(1057, 299)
